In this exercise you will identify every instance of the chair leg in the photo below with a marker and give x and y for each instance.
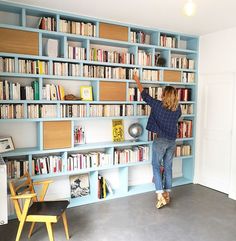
(31, 229)
(50, 231)
(20, 228)
(65, 225)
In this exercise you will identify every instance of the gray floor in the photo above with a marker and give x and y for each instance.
(195, 214)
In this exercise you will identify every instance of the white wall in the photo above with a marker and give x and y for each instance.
(217, 68)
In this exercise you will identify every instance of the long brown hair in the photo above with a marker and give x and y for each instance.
(170, 98)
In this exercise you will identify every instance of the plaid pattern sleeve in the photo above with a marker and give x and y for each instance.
(148, 99)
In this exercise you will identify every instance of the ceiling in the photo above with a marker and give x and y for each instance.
(211, 15)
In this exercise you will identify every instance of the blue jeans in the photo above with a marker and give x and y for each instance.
(162, 150)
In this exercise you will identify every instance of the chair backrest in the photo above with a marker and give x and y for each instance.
(20, 186)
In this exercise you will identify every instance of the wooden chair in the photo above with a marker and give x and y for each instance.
(35, 209)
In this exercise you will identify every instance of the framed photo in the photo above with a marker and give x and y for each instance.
(86, 92)
(79, 185)
(6, 144)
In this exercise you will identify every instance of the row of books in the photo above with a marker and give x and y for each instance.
(66, 69)
(47, 164)
(188, 77)
(7, 65)
(55, 164)
(140, 37)
(88, 160)
(15, 91)
(184, 94)
(16, 168)
(11, 111)
(75, 162)
(185, 128)
(154, 92)
(28, 66)
(151, 75)
(73, 110)
(130, 155)
(111, 110)
(16, 111)
(182, 63)
(79, 135)
(111, 56)
(144, 58)
(168, 41)
(143, 110)
(104, 187)
(134, 94)
(53, 92)
(47, 23)
(76, 27)
(41, 111)
(94, 71)
(70, 69)
(183, 150)
(184, 131)
(187, 109)
(76, 53)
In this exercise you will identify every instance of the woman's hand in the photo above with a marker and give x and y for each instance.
(136, 78)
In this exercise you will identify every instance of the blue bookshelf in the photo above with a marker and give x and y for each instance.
(180, 54)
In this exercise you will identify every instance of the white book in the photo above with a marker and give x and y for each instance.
(51, 48)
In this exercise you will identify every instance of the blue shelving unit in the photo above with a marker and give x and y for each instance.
(186, 46)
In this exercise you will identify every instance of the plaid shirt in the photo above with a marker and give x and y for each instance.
(161, 120)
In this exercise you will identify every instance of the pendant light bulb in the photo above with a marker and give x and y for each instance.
(189, 8)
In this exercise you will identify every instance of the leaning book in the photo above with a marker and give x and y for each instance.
(79, 185)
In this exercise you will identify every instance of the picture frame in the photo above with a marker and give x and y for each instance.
(86, 93)
(79, 185)
(6, 144)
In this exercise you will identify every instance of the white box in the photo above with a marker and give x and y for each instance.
(3, 193)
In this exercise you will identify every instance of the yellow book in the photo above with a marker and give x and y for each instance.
(117, 130)
(40, 66)
(62, 92)
(104, 191)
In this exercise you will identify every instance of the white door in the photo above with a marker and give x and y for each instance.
(215, 134)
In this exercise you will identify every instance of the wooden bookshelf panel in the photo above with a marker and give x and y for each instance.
(56, 134)
(19, 41)
(111, 91)
(113, 31)
(172, 76)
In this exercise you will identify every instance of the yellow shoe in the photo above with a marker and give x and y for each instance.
(166, 195)
(161, 201)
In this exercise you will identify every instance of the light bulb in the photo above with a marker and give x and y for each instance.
(189, 8)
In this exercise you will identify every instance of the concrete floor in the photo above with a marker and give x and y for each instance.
(195, 214)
